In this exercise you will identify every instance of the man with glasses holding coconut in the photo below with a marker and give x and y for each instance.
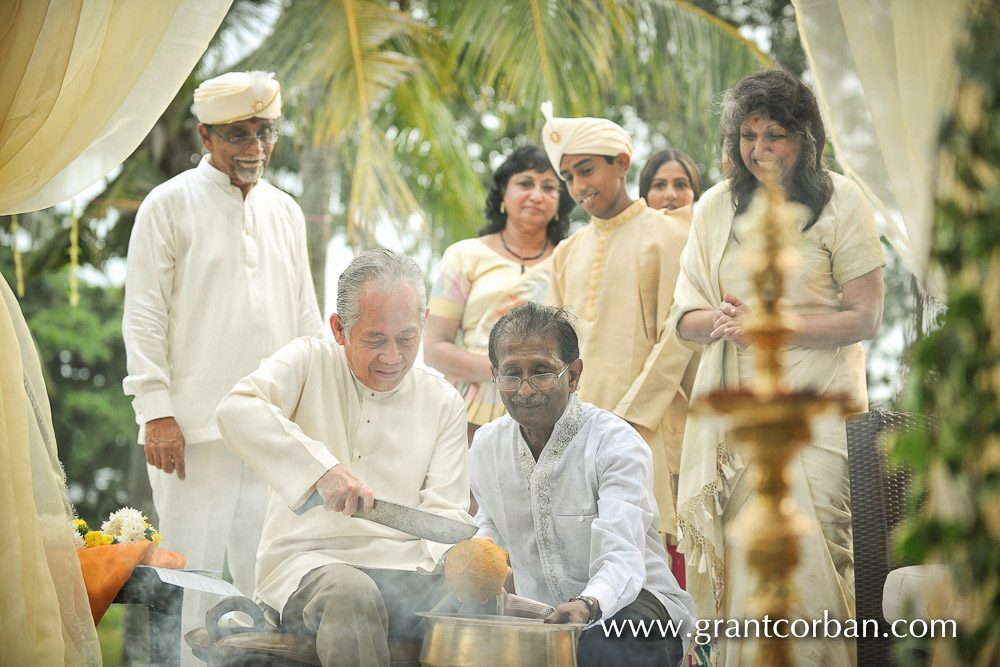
(566, 488)
(217, 279)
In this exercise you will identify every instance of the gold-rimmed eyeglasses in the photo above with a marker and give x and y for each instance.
(267, 136)
(541, 382)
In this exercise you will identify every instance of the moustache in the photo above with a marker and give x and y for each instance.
(529, 401)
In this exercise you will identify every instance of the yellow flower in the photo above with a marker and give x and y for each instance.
(94, 538)
(157, 538)
(107, 539)
(80, 523)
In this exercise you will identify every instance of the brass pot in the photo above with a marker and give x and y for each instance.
(451, 640)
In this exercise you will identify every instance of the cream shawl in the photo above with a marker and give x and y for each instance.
(706, 463)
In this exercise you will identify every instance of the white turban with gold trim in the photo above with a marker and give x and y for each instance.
(237, 95)
(581, 136)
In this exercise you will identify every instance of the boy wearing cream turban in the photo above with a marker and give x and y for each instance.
(617, 276)
(217, 279)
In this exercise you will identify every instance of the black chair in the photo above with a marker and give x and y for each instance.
(878, 505)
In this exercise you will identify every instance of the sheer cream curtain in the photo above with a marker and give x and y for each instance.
(81, 83)
(885, 75)
(41, 574)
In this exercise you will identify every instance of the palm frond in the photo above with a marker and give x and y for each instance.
(683, 59)
(339, 55)
(380, 196)
(440, 169)
(245, 17)
(527, 51)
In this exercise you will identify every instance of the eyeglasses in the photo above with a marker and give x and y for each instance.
(542, 381)
(267, 136)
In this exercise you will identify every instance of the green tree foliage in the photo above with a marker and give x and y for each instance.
(774, 18)
(956, 369)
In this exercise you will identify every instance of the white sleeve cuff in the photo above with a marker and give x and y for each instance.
(605, 596)
(294, 494)
(153, 405)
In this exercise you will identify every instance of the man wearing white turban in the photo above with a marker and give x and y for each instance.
(217, 279)
(617, 276)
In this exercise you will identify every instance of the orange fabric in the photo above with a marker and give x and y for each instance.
(158, 557)
(107, 568)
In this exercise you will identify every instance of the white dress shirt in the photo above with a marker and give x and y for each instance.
(582, 519)
(303, 412)
(214, 283)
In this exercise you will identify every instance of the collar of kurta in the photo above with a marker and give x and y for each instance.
(606, 225)
(563, 433)
(366, 393)
(206, 169)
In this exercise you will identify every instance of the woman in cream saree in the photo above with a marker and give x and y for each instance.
(480, 279)
(836, 293)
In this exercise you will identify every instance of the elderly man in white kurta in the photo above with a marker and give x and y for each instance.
(567, 489)
(217, 279)
(352, 420)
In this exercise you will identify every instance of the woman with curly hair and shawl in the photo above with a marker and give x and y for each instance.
(772, 125)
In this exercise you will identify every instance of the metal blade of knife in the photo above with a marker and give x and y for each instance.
(407, 519)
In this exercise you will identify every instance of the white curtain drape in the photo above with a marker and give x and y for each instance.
(81, 83)
(885, 75)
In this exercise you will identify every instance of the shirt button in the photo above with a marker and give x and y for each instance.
(580, 519)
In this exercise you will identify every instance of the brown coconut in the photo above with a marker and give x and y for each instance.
(476, 569)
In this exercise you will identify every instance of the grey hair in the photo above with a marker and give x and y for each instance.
(385, 269)
(532, 320)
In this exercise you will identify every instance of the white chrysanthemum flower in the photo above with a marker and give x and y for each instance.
(127, 525)
(78, 540)
(131, 534)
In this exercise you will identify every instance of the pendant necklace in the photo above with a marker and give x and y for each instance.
(524, 259)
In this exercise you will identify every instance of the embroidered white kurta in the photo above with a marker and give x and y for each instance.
(214, 283)
(582, 520)
(303, 412)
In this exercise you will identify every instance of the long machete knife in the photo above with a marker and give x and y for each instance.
(407, 519)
